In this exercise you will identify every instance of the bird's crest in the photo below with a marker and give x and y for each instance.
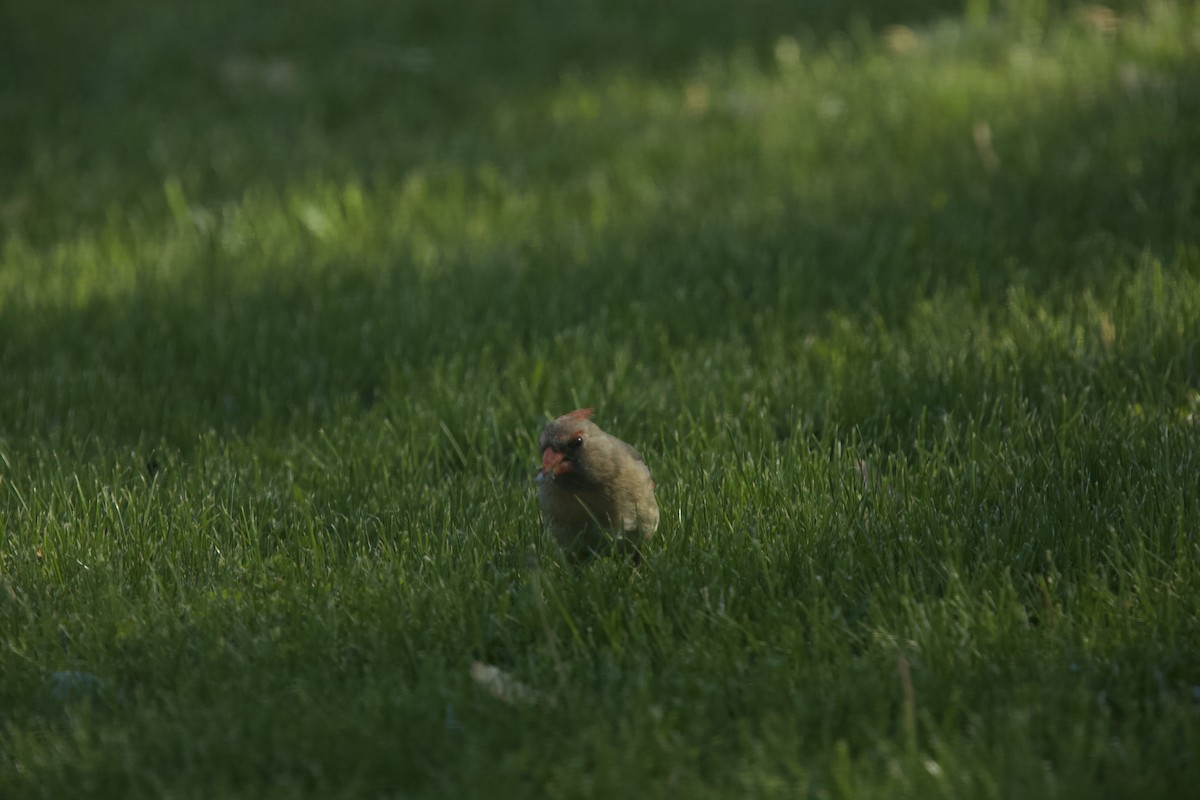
(577, 416)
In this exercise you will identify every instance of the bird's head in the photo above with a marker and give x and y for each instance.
(564, 444)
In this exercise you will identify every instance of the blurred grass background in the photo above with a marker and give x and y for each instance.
(901, 302)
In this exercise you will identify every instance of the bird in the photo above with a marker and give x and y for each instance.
(595, 491)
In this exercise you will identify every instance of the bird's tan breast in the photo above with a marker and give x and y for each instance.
(590, 519)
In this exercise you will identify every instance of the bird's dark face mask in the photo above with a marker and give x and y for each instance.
(560, 460)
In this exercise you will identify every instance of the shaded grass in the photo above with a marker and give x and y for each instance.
(914, 407)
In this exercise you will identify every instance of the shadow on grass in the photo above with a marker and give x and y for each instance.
(102, 104)
(168, 362)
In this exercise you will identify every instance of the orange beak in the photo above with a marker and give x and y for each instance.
(553, 463)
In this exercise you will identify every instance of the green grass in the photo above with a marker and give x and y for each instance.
(906, 321)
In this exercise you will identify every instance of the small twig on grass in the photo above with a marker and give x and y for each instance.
(910, 701)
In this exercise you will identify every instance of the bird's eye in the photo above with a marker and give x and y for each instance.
(575, 443)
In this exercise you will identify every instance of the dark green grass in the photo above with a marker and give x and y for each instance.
(905, 320)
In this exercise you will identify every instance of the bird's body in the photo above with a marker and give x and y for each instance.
(595, 491)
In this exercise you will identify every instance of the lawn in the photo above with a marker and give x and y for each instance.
(900, 301)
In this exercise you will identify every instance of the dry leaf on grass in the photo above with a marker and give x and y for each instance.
(505, 687)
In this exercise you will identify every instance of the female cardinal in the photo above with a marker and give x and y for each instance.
(594, 489)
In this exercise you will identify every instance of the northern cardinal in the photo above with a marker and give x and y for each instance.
(595, 490)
